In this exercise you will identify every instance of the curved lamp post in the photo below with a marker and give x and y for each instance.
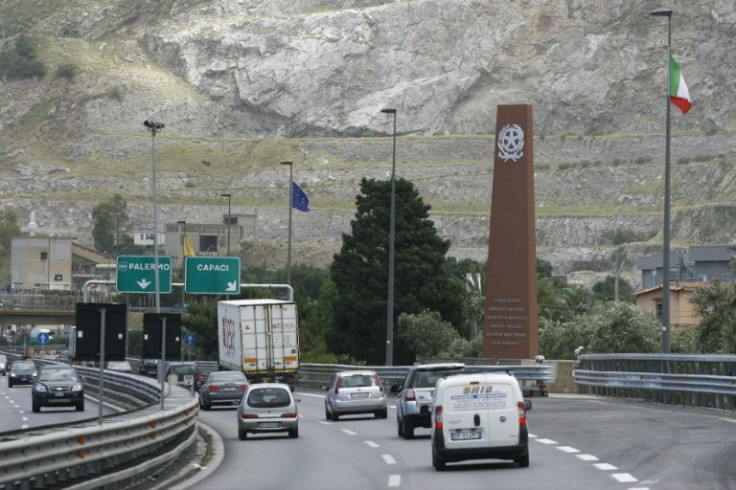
(391, 243)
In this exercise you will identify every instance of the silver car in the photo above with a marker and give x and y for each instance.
(267, 408)
(355, 392)
(414, 400)
(222, 388)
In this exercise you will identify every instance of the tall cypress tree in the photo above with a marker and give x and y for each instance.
(360, 272)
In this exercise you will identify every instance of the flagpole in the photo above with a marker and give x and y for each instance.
(291, 203)
(666, 231)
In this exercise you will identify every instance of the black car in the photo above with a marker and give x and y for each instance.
(148, 367)
(23, 371)
(57, 385)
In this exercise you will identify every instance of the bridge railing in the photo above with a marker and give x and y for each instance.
(693, 380)
(123, 447)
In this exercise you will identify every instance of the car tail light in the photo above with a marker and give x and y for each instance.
(248, 415)
(522, 413)
(213, 388)
(438, 417)
(242, 387)
(337, 385)
(410, 396)
(288, 415)
(378, 380)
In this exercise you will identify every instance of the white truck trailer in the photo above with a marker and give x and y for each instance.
(259, 337)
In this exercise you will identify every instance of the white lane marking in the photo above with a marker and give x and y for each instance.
(624, 478)
(733, 421)
(324, 422)
(639, 488)
(605, 466)
(24, 426)
(372, 444)
(532, 436)
(587, 457)
(394, 480)
(348, 432)
(388, 459)
(24, 419)
(546, 441)
(568, 449)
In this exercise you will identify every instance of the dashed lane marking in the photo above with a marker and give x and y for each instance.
(624, 478)
(394, 480)
(372, 444)
(605, 466)
(388, 459)
(348, 432)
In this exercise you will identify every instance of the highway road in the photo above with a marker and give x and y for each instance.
(577, 442)
(16, 413)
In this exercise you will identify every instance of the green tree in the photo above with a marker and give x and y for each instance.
(716, 304)
(109, 220)
(427, 336)
(8, 229)
(360, 272)
(605, 290)
(20, 61)
(201, 320)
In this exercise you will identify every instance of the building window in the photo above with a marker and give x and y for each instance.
(44, 255)
(659, 310)
(208, 243)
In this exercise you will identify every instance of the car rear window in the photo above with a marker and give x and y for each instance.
(225, 376)
(358, 381)
(427, 379)
(478, 396)
(269, 398)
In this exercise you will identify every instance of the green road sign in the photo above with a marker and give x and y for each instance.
(136, 274)
(212, 275)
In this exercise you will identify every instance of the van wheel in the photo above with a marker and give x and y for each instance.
(523, 461)
(438, 463)
(407, 429)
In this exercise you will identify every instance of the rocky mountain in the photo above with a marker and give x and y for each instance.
(242, 85)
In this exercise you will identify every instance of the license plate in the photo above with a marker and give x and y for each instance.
(58, 394)
(359, 395)
(466, 435)
(228, 388)
(269, 425)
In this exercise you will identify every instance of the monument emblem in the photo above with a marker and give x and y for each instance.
(510, 143)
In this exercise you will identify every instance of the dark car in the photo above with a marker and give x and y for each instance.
(22, 372)
(148, 367)
(222, 388)
(57, 385)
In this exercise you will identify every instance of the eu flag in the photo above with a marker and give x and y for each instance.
(299, 200)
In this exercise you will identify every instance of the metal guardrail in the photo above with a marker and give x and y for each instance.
(116, 453)
(693, 380)
(317, 375)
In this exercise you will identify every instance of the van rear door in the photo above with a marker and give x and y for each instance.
(479, 413)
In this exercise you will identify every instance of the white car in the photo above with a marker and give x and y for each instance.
(120, 366)
(479, 416)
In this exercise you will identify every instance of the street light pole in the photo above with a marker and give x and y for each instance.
(291, 203)
(183, 237)
(228, 195)
(391, 245)
(155, 127)
(666, 232)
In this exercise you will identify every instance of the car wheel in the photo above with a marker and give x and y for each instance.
(206, 404)
(242, 435)
(408, 429)
(384, 413)
(294, 433)
(36, 407)
(335, 416)
(10, 384)
(438, 463)
(327, 413)
(523, 461)
(400, 427)
(80, 406)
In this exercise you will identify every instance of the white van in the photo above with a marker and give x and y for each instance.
(479, 416)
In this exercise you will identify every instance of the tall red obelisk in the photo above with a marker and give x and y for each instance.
(510, 326)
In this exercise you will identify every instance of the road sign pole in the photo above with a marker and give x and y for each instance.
(101, 389)
(163, 360)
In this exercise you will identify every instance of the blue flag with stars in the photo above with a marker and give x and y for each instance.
(299, 200)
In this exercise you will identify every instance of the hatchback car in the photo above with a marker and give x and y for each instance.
(22, 372)
(57, 385)
(222, 388)
(414, 400)
(355, 392)
(267, 408)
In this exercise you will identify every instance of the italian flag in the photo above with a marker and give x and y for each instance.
(679, 94)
